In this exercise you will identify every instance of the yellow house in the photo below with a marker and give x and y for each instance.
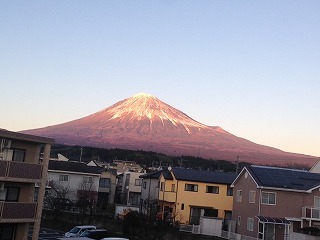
(185, 195)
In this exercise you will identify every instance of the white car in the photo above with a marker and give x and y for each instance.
(78, 230)
(114, 238)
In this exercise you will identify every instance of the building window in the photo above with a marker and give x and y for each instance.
(63, 178)
(162, 186)
(210, 213)
(268, 198)
(87, 179)
(144, 185)
(252, 196)
(239, 220)
(191, 187)
(7, 231)
(10, 194)
(18, 155)
(173, 187)
(212, 189)
(105, 182)
(182, 206)
(137, 182)
(250, 224)
(229, 191)
(316, 202)
(239, 196)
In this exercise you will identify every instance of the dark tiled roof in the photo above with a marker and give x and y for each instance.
(152, 175)
(284, 178)
(203, 176)
(70, 166)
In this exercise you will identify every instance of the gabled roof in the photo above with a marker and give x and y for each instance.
(152, 175)
(284, 178)
(70, 166)
(203, 176)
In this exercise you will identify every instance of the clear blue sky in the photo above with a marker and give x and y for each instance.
(250, 67)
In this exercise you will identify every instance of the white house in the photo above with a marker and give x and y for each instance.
(73, 180)
(131, 188)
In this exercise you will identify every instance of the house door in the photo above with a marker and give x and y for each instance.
(269, 231)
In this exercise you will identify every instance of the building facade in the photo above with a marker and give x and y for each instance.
(274, 203)
(23, 165)
(185, 195)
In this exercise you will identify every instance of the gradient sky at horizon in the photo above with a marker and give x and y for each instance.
(250, 67)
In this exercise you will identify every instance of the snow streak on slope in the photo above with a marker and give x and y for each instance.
(145, 105)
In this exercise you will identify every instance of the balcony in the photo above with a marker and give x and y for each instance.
(20, 171)
(311, 213)
(167, 196)
(17, 211)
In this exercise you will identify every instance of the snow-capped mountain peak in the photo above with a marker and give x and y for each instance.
(146, 123)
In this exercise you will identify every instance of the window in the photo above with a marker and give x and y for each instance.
(18, 155)
(250, 222)
(63, 178)
(13, 154)
(212, 189)
(105, 182)
(252, 196)
(162, 186)
(229, 191)
(239, 196)
(138, 182)
(10, 194)
(210, 213)
(316, 202)
(268, 198)
(182, 206)
(144, 185)
(173, 187)
(87, 179)
(7, 231)
(191, 187)
(239, 220)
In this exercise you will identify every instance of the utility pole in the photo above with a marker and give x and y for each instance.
(80, 154)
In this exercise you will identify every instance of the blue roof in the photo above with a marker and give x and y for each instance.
(203, 176)
(284, 178)
(70, 166)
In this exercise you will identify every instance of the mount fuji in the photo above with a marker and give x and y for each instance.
(143, 122)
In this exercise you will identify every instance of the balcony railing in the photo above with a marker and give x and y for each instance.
(311, 213)
(20, 170)
(13, 211)
(168, 196)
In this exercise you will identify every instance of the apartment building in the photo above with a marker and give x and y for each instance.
(23, 165)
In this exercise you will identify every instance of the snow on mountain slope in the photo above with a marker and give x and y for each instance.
(144, 122)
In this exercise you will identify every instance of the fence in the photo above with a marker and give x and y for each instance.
(195, 229)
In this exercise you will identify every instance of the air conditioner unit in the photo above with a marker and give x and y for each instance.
(5, 143)
(2, 186)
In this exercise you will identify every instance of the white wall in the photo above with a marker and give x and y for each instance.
(74, 182)
(151, 191)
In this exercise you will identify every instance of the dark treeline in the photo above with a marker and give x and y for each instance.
(146, 159)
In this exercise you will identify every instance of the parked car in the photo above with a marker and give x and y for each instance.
(78, 230)
(95, 234)
(114, 238)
